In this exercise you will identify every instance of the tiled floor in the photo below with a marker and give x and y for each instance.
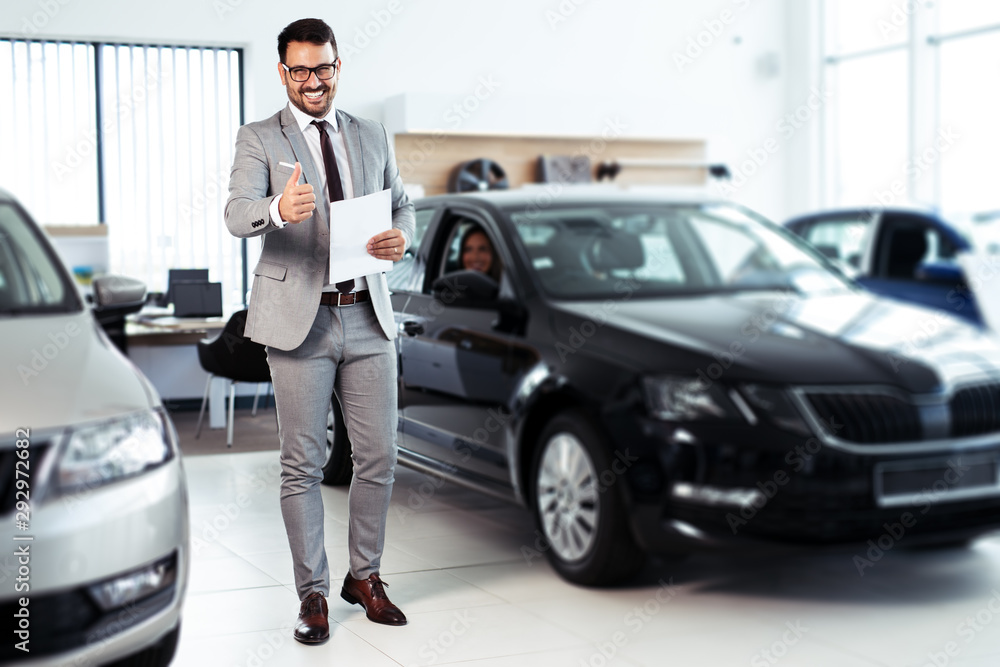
(455, 566)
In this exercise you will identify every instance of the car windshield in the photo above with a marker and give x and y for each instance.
(600, 251)
(31, 280)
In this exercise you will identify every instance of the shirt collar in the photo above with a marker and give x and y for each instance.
(304, 120)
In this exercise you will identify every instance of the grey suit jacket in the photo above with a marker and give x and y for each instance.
(294, 261)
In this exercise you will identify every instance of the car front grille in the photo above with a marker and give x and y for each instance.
(867, 418)
(975, 410)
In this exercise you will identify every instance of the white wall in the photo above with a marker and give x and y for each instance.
(557, 65)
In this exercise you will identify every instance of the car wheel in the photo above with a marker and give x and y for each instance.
(339, 468)
(584, 524)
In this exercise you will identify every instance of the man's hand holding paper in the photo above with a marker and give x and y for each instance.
(362, 240)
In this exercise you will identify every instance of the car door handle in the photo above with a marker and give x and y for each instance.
(411, 328)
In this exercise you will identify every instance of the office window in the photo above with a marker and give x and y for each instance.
(969, 99)
(913, 118)
(858, 26)
(138, 137)
(47, 129)
(870, 129)
(867, 73)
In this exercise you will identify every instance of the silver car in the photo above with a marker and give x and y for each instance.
(93, 501)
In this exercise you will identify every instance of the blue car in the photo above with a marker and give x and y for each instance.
(905, 254)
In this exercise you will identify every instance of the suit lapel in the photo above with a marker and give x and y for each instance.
(352, 139)
(299, 147)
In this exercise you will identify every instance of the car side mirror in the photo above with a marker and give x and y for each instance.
(939, 272)
(468, 288)
(118, 295)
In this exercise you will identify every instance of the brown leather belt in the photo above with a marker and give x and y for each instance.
(341, 299)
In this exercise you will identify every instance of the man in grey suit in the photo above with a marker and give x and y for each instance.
(322, 338)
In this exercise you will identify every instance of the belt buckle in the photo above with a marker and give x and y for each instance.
(342, 305)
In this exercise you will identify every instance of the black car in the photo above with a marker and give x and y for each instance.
(652, 374)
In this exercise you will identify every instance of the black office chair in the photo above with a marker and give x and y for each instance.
(238, 359)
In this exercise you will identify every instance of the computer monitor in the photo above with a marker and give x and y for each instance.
(197, 299)
(175, 276)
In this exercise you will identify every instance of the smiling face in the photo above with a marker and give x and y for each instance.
(477, 254)
(312, 96)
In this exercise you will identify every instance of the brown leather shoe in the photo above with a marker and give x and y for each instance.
(313, 626)
(370, 594)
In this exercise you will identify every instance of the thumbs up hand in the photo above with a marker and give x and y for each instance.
(297, 201)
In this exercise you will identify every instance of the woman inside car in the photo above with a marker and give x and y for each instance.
(477, 253)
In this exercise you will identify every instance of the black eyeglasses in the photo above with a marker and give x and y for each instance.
(300, 74)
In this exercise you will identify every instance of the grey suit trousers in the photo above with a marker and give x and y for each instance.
(345, 352)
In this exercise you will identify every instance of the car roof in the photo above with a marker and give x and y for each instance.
(859, 211)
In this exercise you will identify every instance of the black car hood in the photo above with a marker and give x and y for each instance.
(843, 338)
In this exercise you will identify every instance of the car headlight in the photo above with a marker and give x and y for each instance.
(111, 450)
(776, 406)
(684, 399)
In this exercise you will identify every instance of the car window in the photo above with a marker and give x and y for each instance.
(598, 252)
(31, 281)
(908, 244)
(840, 239)
(453, 260)
(405, 275)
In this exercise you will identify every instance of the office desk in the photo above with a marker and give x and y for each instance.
(165, 350)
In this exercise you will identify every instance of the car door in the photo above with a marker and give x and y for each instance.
(458, 370)
(914, 259)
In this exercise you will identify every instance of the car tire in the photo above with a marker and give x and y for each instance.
(339, 468)
(584, 526)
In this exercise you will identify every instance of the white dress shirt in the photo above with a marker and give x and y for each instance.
(311, 134)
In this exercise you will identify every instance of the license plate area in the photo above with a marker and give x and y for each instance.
(926, 481)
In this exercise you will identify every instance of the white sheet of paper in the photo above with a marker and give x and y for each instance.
(352, 223)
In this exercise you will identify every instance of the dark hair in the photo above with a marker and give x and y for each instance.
(314, 31)
(494, 271)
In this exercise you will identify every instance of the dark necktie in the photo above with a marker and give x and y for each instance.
(332, 181)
